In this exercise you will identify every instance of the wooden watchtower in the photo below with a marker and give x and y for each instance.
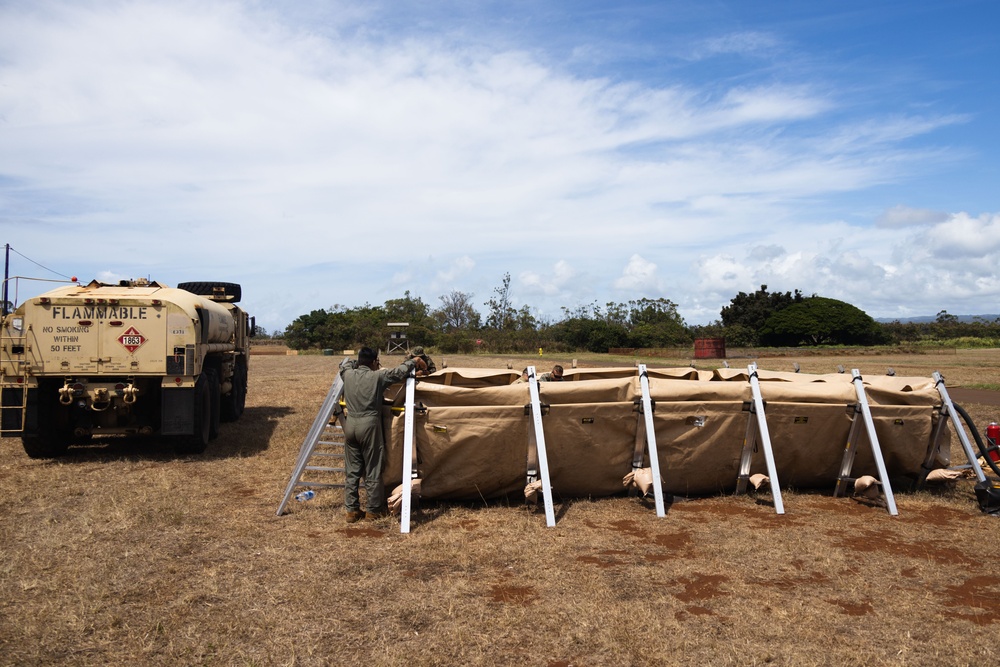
(397, 338)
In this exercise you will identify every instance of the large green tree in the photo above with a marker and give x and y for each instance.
(639, 323)
(818, 320)
(588, 328)
(746, 314)
(338, 328)
(457, 313)
(656, 323)
(500, 313)
(306, 330)
(416, 313)
(458, 323)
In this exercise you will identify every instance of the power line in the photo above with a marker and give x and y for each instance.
(40, 265)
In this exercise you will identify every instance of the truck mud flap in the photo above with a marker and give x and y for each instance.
(177, 411)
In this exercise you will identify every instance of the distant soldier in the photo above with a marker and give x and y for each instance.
(523, 378)
(555, 375)
(418, 353)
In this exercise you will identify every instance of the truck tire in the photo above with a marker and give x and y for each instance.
(214, 390)
(234, 403)
(45, 446)
(198, 441)
(55, 433)
(203, 288)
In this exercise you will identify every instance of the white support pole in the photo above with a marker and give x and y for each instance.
(962, 437)
(408, 472)
(654, 457)
(765, 438)
(543, 459)
(866, 413)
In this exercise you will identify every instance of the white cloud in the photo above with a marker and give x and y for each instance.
(905, 216)
(965, 238)
(745, 42)
(339, 163)
(723, 274)
(459, 268)
(639, 275)
(558, 281)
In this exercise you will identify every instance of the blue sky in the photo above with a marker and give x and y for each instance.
(324, 153)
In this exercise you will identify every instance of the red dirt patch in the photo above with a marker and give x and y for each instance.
(981, 595)
(361, 532)
(845, 505)
(678, 545)
(762, 516)
(872, 541)
(937, 516)
(522, 595)
(853, 608)
(600, 561)
(673, 541)
(701, 587)
(791, 583)
(693, 610)
(628, 527)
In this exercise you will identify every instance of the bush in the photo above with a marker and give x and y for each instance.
(456, 342)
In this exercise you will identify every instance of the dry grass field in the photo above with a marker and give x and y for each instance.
(124, 553)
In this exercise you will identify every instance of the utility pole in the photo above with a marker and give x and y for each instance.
(6, 271)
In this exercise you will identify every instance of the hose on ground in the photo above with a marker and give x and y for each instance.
(979, 441)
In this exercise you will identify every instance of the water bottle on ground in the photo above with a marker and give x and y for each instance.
(305, 495)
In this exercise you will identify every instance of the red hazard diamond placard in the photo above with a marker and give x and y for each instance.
(132, 340)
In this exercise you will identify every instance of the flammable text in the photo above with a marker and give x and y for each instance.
(99, 312)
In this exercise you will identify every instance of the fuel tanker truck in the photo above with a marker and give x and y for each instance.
(133, 359)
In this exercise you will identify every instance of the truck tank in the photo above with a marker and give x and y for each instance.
(133, 358)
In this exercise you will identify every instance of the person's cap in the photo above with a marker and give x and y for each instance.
(417, 351)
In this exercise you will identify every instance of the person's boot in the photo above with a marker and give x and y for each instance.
(353, 516)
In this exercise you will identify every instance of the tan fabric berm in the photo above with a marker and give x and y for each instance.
(472, 441)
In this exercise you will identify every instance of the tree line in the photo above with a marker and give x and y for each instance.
(754, 319)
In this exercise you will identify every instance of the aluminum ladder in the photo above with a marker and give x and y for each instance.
(325, 441)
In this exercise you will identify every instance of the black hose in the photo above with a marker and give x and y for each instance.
(979, 440)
